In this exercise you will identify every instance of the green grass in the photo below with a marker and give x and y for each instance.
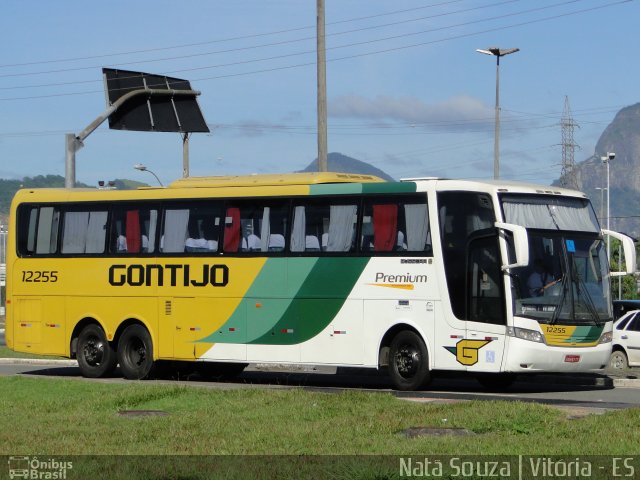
(72, 417)
(263, 434)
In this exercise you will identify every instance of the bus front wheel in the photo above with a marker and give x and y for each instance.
(135, 353)
(96, 357)
(408, 361)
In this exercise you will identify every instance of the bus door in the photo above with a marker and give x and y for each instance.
(485, 304)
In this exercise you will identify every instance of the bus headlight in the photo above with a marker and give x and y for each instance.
(525, 334)
(606, 337)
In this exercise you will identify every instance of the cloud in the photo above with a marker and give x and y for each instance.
(457, 114)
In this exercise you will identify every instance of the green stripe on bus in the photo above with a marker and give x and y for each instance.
(266, 300)
(335, 189)
(389, 187)
(585, 334)
(317, 302)
(273, 319)
(355, 188)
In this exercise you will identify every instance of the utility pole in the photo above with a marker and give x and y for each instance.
(322, 88)
(568, 177)
(185, 154)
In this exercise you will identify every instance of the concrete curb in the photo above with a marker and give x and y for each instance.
(626, 382)
(38, 361)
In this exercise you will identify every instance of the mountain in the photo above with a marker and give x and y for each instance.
(621, 136)
(337, 162)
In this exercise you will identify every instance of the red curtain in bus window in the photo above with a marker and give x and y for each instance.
(133, 231)
(232, 230)
(385, 223)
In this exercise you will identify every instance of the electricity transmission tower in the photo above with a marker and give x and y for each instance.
(569, 175)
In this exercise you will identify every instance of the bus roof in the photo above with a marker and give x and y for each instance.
(303, 178)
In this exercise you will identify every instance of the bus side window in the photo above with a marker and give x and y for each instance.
(37, 230)
(133, 230)
(252, 228)
(203, 236)
(84, 232)
(322, 225)
(395, 224)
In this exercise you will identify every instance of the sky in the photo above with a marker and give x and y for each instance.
(406, 89)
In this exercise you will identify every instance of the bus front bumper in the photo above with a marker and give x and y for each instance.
(526, 356)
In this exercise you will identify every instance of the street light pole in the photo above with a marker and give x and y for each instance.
(606, 159)
(143, 168)
(497, 52)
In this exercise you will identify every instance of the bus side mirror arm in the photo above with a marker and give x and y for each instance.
(629, 249)
(521, 244)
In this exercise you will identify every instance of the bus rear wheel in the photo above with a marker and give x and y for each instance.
(408, 361)
(96, 357)
(135, 353)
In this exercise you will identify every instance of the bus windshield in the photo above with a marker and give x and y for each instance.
(567, 279)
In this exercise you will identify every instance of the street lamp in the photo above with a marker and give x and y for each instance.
(143, 168)
(497, 52)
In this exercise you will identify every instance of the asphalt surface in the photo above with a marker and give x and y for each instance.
(549, 388)
(590, 393)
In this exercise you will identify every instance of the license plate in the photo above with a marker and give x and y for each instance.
(572, 358)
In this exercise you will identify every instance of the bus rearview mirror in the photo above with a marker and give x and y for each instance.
(520, 244)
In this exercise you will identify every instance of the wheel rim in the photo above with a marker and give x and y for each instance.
(617, 361)
(407, 360)
(93, 351)
(137, 352)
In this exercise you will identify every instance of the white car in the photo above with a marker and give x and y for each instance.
(626, 341)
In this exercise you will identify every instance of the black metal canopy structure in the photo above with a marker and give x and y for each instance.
(167, 104)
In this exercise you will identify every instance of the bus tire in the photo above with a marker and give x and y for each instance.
(135, 353)
(95, 355)
(408, 361)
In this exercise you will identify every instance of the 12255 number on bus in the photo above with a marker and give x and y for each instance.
(40, 276)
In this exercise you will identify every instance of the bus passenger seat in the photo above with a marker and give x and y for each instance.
(312, 244)
(276, 242)
(253, 243)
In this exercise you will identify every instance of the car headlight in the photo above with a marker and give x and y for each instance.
(525, 334)
(606, 337)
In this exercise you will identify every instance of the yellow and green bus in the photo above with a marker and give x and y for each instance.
(492, 278)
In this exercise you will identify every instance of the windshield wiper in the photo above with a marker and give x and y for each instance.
(588, 301)
(582, 296)
(563, 297)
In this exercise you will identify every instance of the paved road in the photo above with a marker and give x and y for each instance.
(554, 390)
